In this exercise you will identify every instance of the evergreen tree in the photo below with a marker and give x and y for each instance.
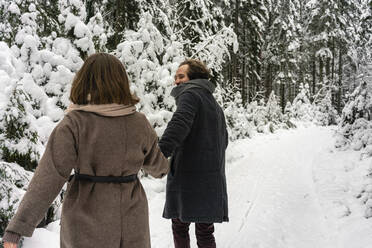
(273, 110)
(325, 113)
(238, 125)
(118, 16)
(355, 127)
(14, 180)
(195, 22)
(19, 139)
(358, 106)
(144, 52)
(301, 106)
(201, 28)
(330, 34)
(244, 69)
(281, 50)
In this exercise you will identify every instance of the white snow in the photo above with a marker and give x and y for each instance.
(13, 8)
(290, 189)
(71, 21)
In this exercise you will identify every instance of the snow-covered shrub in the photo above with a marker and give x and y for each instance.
(257, 113)
(355, 127)
(273, 111)
(276, 119)
(257, 116)
(214, 49)
(14, 181)
(365, 195)
(19, 139)
(143, 52)
(73, 17)
(324, 112)
(267, 117)
(288, 116)
(238, 125)
(302, 109)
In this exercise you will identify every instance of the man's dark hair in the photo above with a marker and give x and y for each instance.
(197, 69)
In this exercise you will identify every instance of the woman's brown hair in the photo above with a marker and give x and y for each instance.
(102, 80)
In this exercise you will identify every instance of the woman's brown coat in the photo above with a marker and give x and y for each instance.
(95, 214)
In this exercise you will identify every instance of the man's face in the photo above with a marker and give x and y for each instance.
(181, 75)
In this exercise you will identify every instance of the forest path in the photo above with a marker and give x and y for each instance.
(273, 201)
(278, 185)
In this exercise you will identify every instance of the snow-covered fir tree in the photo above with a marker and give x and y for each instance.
(143, 52)
(325, 113)
(238, 125)
(301, 107)
(19, 138)
(355, 127)
(273, 112)
(281, 51)
(14, 181)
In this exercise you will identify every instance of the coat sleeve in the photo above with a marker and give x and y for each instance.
(154, 163)
(50, 175)
(181, 123)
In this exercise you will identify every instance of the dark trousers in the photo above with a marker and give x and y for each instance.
(203, 232)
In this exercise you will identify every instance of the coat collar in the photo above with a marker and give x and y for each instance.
(195, 83)
(111, 110)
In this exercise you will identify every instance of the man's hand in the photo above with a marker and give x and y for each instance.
(10, 245)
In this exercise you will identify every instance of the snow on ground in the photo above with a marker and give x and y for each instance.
(290, 189)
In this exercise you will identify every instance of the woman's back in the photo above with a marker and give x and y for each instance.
(110, 146)
(101, 136)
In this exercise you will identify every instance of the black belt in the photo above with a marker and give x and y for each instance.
(103, 179)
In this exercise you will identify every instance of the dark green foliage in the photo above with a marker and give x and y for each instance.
(5, 195)
(195, 21)
(14, 180)
(358, 106)
(24, 160)
(5, 214)
(283, 44)
(118, 14)
(17, 129)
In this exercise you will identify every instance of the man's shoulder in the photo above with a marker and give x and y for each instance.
(191, 94)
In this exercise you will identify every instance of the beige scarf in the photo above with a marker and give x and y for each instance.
(111, 110)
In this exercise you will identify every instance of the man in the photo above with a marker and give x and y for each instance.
(196, 139)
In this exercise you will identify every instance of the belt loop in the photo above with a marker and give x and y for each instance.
(76, 172)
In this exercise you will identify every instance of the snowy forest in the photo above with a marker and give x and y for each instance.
(275, 62)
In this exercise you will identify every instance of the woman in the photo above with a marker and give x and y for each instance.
(106, 142)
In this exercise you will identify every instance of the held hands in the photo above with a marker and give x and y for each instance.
(10, 245)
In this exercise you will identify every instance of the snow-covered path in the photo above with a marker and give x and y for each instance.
(277, 204)
(286, 190)
(271, 194)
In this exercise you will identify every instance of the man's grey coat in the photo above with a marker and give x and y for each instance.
(196, 138)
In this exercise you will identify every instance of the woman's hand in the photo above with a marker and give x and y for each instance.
(10, 245)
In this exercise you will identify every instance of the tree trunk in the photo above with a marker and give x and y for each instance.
(320, 71)
(339, 81)
(314, 73)
(268, 81)
(328, 68)
(333, 61)
(242, 85)
(234, 57)
(282, 96)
